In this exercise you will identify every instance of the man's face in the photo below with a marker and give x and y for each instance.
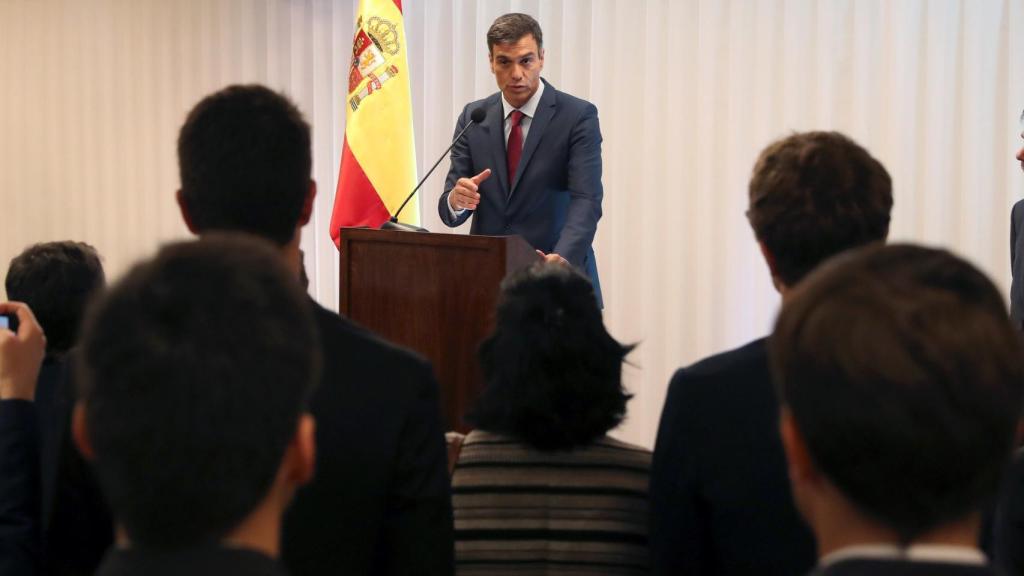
(517, 68)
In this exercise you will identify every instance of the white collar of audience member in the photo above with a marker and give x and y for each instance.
(915, 553)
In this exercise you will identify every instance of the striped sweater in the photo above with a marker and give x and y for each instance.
(521, 511)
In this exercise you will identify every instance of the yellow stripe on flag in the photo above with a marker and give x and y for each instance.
(379, 124)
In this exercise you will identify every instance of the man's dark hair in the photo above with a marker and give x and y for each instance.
(813, 195)
(553, 373)
(196, 368)
(56, 280)
(509, 28)
(904, 376)
(245, 162)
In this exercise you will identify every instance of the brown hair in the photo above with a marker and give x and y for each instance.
(813, 195)
(509, 28)
(905, 377)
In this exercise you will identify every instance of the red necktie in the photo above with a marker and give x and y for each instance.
(515, 146)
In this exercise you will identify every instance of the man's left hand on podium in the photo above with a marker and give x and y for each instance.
(553, 258)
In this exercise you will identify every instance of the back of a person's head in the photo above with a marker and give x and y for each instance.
(814, 195)
(56, 280)
(903, 375)
(245, 162)
(195, 370)
(553, 373)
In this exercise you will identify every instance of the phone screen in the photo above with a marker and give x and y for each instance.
(4, 322)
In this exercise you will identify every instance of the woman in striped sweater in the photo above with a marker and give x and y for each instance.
(539, 488)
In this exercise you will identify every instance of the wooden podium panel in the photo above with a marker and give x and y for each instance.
(433, 293)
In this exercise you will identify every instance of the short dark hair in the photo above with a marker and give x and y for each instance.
(904, 376)
(813, 195)
(196, 367)
(245, 162)
(553, 374)
(56, 280)
(509, 28)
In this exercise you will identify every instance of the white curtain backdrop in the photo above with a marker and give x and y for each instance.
(94, 91)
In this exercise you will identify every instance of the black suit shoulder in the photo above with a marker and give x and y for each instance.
(342, 338)
(380, 502)
(737, 365)
(726, 386)
(1008, 534)
(76, 521)
(719, 489)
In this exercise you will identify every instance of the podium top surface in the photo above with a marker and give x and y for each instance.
(430, 238)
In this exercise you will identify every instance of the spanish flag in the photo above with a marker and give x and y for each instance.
(378, 162)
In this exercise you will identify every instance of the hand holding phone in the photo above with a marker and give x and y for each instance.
(21, 352)
(9, 322)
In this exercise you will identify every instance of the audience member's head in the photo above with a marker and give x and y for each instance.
(245, 161)
(553, 373)
(813, 195)
(56, 279)
(195, 374)
(901, 380)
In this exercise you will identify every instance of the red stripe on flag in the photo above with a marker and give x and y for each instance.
(356, 202)
(399, 4)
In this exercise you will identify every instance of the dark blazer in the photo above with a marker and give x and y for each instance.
(380, 502)
(76, 523)
(720, 496)
(63, 528)
(19, 489)
(554, 198)
(1017, 264)
(1008, 532)
(879, 567)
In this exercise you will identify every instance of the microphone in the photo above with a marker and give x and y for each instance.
(475, 117)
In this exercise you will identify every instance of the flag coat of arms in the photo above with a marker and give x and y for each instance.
(378, 161)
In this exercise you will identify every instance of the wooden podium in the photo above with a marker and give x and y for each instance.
(433, 293)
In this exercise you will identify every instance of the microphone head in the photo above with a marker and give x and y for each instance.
(478, 115)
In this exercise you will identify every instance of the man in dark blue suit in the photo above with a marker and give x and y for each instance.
(720, 499)
(1017, 250)
(533, 166)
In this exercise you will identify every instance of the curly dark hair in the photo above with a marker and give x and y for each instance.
(814, 195)
(553, 373)
(56, 280)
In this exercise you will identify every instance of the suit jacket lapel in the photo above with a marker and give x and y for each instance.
(495, 124)
(539, 123)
